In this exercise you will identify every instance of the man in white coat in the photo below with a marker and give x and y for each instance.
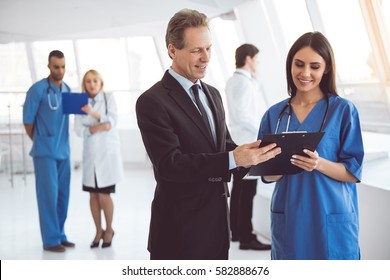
(246, 106)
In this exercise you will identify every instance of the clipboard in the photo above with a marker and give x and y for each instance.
(72, 102)
(292, 143)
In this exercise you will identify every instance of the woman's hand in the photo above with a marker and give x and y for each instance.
(105, 126)
(272, 178)
(334, 170)
(306, 163)
(87, 109)
(100, 127)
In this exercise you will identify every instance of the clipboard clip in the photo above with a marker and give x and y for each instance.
(292, 132)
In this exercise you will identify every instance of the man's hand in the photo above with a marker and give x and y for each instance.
(250, 154)
(29, 130)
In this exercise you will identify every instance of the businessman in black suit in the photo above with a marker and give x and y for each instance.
(185, 135)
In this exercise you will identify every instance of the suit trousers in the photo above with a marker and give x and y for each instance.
(241, 207)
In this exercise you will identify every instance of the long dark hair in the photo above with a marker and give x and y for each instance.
(318, 42)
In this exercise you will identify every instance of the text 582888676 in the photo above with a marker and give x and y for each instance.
(241, 270)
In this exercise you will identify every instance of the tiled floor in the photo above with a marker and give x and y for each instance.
(20, 236)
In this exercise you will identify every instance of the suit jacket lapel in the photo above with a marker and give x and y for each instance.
(180, 96)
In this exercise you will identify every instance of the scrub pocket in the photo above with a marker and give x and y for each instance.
(43, 146)
(329, 146)
(343, 232)
(278, 225)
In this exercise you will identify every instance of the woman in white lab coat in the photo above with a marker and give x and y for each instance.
(102, 163)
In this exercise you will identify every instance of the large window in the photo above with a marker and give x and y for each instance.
(358, 46)
(40, 52)
(293, 18)
(144, 70)
(349, 39)
(360, 40)
(108, 57)
(386, 19)
(222, 63)
(14, 71)
(15, 80)
(359, 31)
(129, 66)
(145, 66)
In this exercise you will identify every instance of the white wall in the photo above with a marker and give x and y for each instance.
(272, 51)
(374, 206)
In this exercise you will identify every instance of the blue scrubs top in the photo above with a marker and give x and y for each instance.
(51, 127)
(312, 215)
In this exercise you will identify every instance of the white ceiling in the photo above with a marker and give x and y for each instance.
(34, 20)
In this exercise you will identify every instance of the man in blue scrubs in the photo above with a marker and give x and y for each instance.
(48, 128)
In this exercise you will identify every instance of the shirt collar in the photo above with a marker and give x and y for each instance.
(244, 72)
(184, 82)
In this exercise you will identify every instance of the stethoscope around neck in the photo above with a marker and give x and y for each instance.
(288, 105)
(49, 88)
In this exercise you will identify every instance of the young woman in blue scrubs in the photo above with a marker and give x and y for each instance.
(48, 127)
(314, 214)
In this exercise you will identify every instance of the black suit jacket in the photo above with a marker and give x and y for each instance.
(189, 212)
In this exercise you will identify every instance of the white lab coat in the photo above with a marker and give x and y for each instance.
(246, 106)
(101, 150)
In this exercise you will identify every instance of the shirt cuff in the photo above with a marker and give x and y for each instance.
(232, 162)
